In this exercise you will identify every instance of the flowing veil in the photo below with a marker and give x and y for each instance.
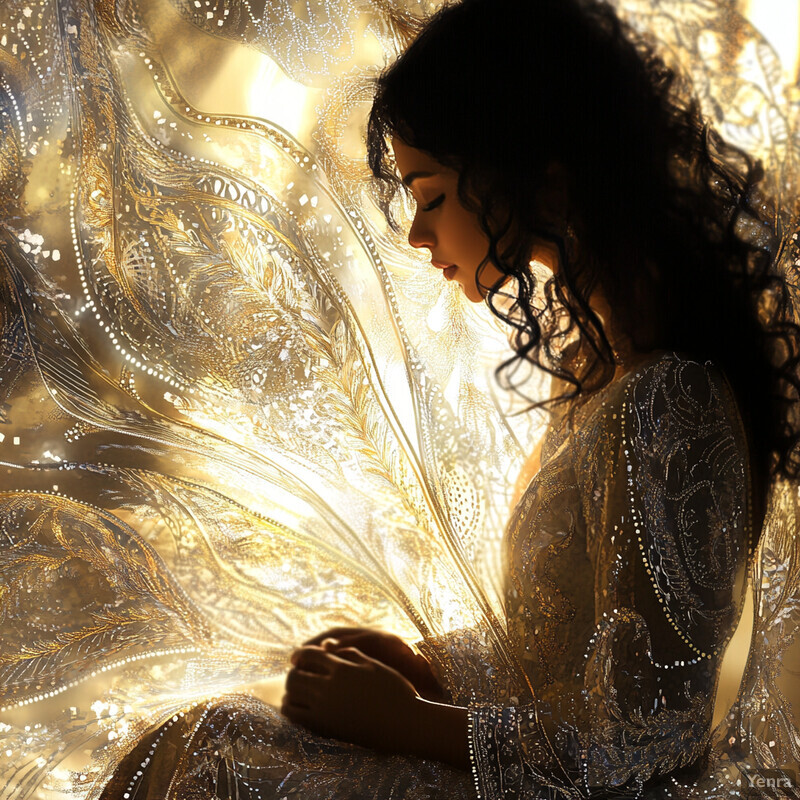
(234, 409)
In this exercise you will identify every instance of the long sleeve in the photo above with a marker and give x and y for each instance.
(464, 661)
(659, 509)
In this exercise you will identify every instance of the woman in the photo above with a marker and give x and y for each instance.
(548, 131)
(595, 166)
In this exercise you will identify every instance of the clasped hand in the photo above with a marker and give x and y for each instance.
(336, 690)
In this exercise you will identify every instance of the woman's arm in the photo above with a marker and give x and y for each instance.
(438, 732)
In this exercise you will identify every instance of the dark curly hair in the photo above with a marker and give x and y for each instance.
(668, 219)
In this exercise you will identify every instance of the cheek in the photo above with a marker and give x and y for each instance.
(471, 241)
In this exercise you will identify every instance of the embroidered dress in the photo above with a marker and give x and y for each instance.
(627, 564)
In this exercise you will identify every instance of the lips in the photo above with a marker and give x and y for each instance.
(449, 270)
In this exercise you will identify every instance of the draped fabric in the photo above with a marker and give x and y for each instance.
(236, 411)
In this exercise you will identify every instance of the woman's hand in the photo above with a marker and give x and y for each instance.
(349, 696)
(390, 650)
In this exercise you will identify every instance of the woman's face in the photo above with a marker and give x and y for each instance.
(452, 234)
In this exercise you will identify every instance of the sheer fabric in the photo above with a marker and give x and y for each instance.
(233, 417)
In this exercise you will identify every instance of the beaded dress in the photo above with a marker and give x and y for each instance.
(233, 416)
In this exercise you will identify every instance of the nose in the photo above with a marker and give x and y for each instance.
(421, 233)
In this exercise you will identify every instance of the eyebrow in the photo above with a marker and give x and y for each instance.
(412, 176)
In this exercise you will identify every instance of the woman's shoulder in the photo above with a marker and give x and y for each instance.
(663, 362)
(670, 411)
(678, 400)
(671, 376)
(665, 387)
(669, 388)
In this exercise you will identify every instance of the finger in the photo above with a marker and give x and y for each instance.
(303, 686)
(318, 660)
(333, 633)
(306, 717)
(343, 641)
(354, 656)
(287, 700)
(311, 659)
(380, 648)
(296, 713)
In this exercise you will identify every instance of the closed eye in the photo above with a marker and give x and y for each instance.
(434, 203)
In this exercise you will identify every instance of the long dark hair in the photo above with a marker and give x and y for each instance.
(668, 218)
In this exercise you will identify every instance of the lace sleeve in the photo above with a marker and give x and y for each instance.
(663, 476)
(463, 661)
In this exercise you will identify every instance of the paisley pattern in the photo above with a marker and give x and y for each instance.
(235, 411)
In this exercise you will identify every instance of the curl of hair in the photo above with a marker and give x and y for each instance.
(668, 219)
